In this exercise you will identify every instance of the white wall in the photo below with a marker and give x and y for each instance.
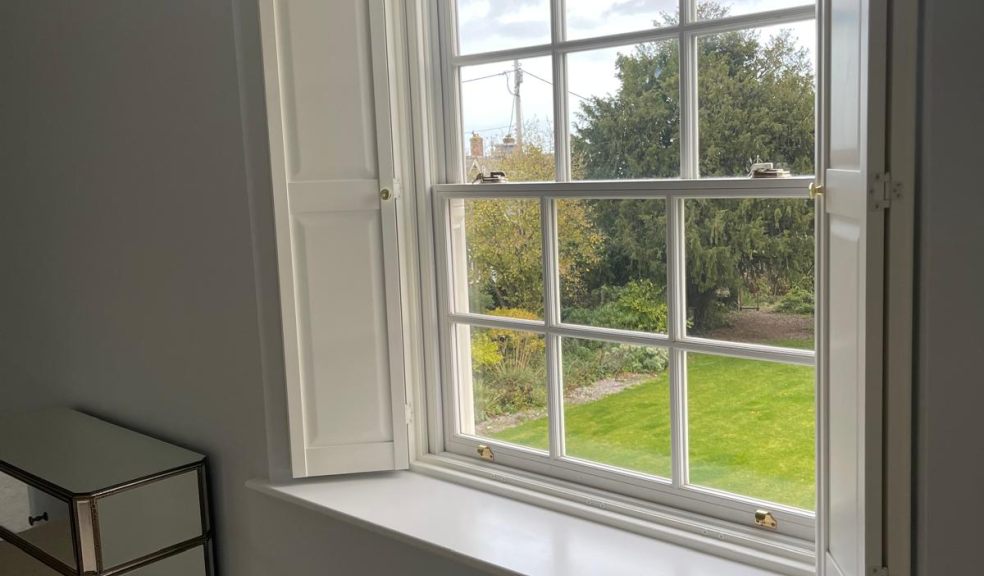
(129, 288)
(950, 378)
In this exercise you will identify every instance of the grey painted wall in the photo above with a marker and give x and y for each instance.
(129, 287)
(950, 427)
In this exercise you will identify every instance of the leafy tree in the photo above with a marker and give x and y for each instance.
(756, 100)
(505, 247)
(534, 161)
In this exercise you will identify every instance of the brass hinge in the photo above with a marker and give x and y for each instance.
(882, 191)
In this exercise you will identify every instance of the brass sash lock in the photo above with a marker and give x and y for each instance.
(485, 452)
(765, 519)
(815, 190)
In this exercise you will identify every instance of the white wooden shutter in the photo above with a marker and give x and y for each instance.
(331, 146)
(850, 511)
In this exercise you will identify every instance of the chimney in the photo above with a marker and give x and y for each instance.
(508, 145)
(477, 146)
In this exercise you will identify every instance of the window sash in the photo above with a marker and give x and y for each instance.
(674, 491)
(686, 33)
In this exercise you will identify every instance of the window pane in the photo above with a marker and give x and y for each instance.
(757, 99)
(617, 405)
(624, 106)
(489, 25)
(711, 9)
(502, 385)
(507, 117)
(750, 270)
(588, 18)
(496, 258)
(613, 263)
(751, 428)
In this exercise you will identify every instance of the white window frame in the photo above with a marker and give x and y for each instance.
(675, 494)
(297, 91)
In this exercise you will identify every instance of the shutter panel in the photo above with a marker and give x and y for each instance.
(329, 114)
(850, 510)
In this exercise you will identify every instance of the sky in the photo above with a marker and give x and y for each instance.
(487, 25)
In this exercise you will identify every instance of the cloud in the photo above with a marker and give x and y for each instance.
(637, 7)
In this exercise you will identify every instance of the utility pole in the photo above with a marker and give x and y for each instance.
(517, 81)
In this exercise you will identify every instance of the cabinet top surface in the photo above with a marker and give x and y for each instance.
(82, 454)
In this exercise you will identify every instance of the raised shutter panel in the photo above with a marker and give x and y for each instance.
(327, 90)
(850, 510)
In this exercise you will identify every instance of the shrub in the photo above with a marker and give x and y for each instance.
(509, 366)
(508, 388)
(639, 305)
(586, 361)
(796, 301)
(640, 359)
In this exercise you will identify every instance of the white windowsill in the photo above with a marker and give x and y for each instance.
(493, 532)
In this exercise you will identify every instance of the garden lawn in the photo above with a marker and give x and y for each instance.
(751, 428)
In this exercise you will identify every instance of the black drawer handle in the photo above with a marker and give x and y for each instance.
(32, 520)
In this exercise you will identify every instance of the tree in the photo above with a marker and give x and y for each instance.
(529, 161)
(756, 100)
(505, 247)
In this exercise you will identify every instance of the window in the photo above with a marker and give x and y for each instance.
(632, 311)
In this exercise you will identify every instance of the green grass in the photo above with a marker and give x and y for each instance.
(750, 429)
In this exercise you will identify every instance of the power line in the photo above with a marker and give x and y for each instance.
(507, 72)
(551, 83)
(496, 129)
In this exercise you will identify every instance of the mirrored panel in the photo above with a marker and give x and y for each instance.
(188, 563)
(502, 385)
(612, 263)
(751, 428)
(37, 518)
(617, 405)
(507, 120)
(15, 562)
(624, 112)
(170, 514)
(496, 257)
(750, 270)
(757, 100)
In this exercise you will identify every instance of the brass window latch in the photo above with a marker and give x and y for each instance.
(765, 519)
(815, 190)
(485, 453)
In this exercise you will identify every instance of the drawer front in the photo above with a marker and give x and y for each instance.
(149, 518)
(189, 563)
(38, 518)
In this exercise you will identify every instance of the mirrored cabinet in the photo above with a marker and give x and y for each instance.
(82, 497)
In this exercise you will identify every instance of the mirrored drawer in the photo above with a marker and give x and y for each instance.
(189, 563)
(14, 562)
(137, 522)
(37, 519)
